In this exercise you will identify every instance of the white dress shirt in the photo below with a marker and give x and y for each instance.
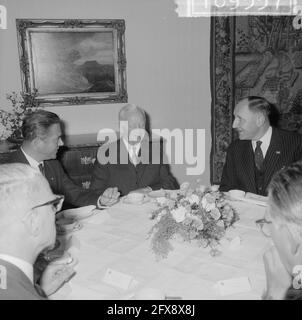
(266, 140)
(132, 148)
(23, 265)
(32, 162)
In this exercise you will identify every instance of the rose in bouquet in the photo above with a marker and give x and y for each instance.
(201, 214)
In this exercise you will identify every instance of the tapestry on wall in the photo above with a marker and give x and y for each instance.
(254, 55)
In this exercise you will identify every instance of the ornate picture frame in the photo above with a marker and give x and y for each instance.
(72, 62)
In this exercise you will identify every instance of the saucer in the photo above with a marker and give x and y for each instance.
(66, 258)
(157, 193)
(78, 213)
(77, 226)
(127, 201)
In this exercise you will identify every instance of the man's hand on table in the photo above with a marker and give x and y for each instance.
(55, 276)
(278, 280)
(109, 197)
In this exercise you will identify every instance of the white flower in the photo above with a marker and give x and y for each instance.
(184, 186)
(161, 200)
(209, 207)
(179, 214)
(215, 213)
(170, 203)
(162, 213)
(193, 199)
(4, 132)
(207, 204)
(173, 194)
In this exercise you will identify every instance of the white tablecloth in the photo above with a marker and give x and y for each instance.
(116, 239)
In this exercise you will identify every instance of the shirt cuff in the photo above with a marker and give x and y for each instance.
(99, 203)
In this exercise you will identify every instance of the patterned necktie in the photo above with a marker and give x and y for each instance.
(258, 155)
(41, 168)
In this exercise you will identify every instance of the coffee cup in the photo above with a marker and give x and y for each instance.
(135, 197)
(236, 193)
(66, 224)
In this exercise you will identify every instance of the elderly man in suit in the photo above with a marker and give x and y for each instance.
(260, 151)
(41, 131)
(132, 163)
(27, 227)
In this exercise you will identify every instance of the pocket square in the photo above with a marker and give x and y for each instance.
(278, 152)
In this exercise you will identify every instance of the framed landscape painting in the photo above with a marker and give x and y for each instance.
(73, 61)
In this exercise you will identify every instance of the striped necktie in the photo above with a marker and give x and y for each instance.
(258, 156)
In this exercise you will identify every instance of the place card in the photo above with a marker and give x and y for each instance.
(118, 279)
(234, 285)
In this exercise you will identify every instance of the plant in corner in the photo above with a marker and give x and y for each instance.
(11, 121)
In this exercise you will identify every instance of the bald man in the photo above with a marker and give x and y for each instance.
(134, 162)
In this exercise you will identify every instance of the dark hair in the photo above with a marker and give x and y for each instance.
(259, 104)
(36, 124)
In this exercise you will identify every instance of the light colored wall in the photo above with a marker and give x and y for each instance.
(167, 64)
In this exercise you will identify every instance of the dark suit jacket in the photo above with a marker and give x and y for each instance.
(19, 286)
(60, 183)
(239, 170)
(121, 173)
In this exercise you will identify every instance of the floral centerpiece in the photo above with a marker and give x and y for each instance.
(11, 121)
(201, 214)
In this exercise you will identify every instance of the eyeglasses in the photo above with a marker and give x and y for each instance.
(55, 203)
(263, 225)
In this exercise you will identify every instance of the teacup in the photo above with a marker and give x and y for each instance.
(66, 224)
(237, 193)
(66, 258)
(150, 294)
(135, 197)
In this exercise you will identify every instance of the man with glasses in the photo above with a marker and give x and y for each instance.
(27, 227)
(42, 133)
(283, 223)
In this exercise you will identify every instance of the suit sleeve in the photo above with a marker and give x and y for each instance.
(100, 176)
(74, 194)
(227, 178)
(166, 179)
(298, 153)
